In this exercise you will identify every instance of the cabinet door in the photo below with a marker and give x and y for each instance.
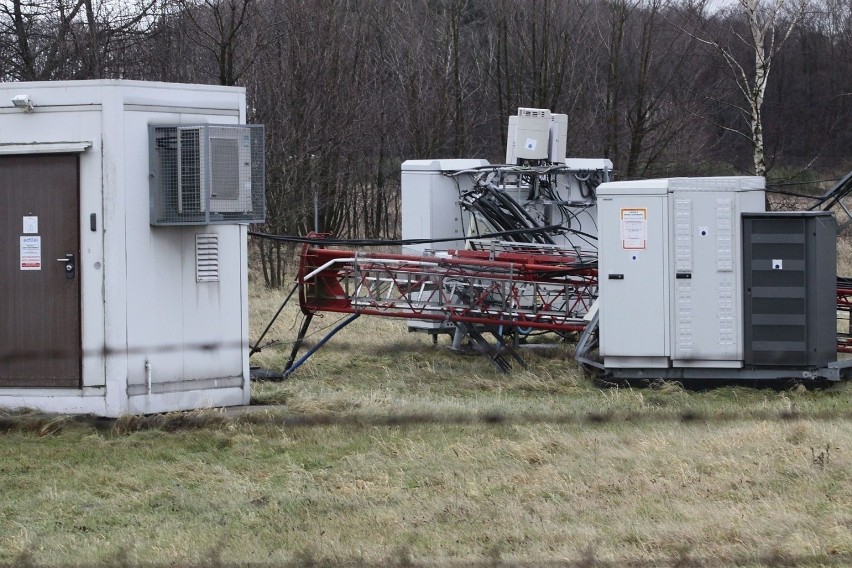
(706, 286)
(40, 285)
(632, 269)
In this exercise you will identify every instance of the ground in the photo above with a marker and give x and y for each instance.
(383, 449)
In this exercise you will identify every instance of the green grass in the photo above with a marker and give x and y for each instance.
(473, 468)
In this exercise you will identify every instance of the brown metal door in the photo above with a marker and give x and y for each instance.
(39, 294)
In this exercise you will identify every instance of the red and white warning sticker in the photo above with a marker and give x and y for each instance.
(31, 252)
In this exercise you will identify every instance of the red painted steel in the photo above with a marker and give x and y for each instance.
(844, 304)
(530, 289)
(527, 288)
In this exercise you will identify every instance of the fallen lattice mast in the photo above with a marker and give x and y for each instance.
(546, 288)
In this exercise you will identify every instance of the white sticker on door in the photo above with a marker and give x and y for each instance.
(30, 253)
(30, 225)
(634, 228)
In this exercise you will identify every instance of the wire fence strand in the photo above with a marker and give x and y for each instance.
(281, 417)
(584, 559)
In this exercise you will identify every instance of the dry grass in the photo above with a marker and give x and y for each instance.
(757, 477)
(735, 492)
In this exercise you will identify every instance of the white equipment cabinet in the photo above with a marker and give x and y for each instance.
(670, 271)
(537, 134)
(157, 316)
(430, 203)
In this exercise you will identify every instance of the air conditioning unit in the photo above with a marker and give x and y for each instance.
(206, 174)
(215, 168)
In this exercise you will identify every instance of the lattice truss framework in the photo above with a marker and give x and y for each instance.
(539, 289)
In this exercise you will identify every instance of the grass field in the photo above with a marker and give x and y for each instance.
(385, 450)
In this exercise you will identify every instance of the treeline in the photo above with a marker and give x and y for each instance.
(349, 88)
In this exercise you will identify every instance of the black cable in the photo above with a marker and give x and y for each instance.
(496, 208)
(256, 348)
(802, 182)
(793, 194)
(837, 193)
(515, 209)
(564, 213)
(390, 242)
(482, 200)
(502, 211)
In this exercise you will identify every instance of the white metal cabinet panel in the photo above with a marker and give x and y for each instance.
(430, 209)
(704, 316)
(170, 315)
(430, 199)
(633, 279)
(707, 277)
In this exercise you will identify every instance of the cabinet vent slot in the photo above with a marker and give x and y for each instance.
(207, 257)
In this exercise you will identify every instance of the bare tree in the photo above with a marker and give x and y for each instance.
(348, 90)
(232, 31)
(106, 33)
(748, 55)
(71, 39)
(37, 32)
(645, 61)
(539, 54)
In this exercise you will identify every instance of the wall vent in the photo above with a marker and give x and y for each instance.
(207, 257)
(534, 112)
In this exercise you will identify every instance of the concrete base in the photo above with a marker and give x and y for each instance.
(832, 372)
(93, 401)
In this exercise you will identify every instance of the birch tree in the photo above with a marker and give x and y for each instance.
(768, 26)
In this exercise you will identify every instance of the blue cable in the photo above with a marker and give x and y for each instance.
(322, 342)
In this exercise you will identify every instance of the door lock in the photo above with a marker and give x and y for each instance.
(70, 265)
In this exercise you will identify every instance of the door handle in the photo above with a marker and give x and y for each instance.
(70, 265)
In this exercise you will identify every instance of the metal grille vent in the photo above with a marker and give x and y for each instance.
(207, 174)
(534, 112)
(207, 257)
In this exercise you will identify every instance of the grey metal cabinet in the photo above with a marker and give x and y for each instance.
(789, 266)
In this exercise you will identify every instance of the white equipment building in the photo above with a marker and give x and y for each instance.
(123, 245)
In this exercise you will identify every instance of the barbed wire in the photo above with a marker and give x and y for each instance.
(811, 182)
(108, 351)
(32, 355)
(280, 417)
(495, 559)
(496, 418)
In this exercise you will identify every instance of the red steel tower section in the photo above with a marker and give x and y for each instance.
(536, 288)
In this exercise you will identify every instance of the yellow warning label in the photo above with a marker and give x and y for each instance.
(634, 228)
